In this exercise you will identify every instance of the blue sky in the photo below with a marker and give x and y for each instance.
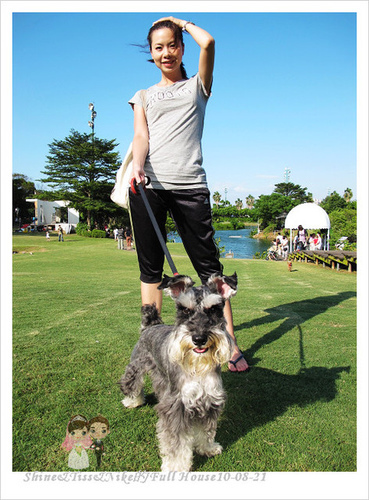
(284, 93)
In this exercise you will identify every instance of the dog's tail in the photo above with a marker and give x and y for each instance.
(150, 316)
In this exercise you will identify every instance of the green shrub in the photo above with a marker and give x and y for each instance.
(270, 229)
(81, 226)
(82, 230)
(97, 233)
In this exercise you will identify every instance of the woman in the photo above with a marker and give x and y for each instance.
(284, 246)
(166, 147)
(302, 237)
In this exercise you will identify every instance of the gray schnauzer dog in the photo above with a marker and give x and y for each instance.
(184, 362)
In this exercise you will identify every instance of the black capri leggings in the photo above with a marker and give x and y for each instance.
(191, 211)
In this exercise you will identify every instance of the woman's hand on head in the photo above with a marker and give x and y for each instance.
(178, 22)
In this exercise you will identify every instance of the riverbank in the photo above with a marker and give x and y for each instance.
(264, 236)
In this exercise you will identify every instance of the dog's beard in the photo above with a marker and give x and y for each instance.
(183, 352)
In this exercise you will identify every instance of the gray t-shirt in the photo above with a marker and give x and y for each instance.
(175, 118)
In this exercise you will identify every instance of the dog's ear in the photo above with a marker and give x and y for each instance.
(226, 286)
(176, 285)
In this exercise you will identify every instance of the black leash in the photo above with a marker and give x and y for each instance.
(141, 189)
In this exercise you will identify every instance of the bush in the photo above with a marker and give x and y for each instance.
(97, 233)
(81, 227)
(259, 255)
(343, 223)
(82, 230)
(229, 223)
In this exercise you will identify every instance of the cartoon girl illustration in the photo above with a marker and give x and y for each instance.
(77, 440)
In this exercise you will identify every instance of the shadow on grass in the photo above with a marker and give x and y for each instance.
(268, 394)
(295, 314)
(261, 395)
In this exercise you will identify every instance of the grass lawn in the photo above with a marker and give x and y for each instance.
(76, 316)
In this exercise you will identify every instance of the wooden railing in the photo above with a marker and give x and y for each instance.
(335, 259)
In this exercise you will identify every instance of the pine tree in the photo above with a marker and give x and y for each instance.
(82, 169)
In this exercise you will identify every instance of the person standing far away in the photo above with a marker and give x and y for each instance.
(60, 234)
(168, 127)
(302, 237)
(120, 239)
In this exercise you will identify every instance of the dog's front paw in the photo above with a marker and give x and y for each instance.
(210, 450)
(134, 401)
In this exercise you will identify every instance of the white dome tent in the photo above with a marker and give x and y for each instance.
(310, 216)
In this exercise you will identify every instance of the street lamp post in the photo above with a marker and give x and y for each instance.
(91, 123)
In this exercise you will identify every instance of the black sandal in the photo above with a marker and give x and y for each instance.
(234, 363)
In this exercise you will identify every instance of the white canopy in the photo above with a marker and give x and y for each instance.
(310, 216)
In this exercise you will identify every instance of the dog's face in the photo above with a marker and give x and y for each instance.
(201, 337)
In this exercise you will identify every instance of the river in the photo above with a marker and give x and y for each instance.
(238, 242)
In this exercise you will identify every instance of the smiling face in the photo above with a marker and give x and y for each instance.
(99, 430)
(79, 434)
(167, 52)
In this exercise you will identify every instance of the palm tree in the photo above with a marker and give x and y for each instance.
(250, 200)
(238, 204)
(347, 195)
(217, 197)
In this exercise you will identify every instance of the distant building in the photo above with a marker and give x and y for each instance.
(55, 213)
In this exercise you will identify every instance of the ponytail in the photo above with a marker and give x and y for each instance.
(183, 71)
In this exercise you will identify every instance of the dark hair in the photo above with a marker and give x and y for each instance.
(77, 422)
(100, 419)
(178, 37)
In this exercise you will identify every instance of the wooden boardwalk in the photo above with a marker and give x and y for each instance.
(335, 259)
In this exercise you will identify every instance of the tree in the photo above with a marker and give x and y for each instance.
(333, 202)
(347, 195)
(238, 204)
(344, 223)
(82, 170)
(268, 209)
(22, 188)
(293, 191)
(225, 203)
(272, 209)
(217, 197)
(250, 201)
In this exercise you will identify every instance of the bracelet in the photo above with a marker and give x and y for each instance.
(185, 24)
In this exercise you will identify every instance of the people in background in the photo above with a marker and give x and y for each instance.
(120, 238)
(284, 247)
(317, 242)
(302, 237)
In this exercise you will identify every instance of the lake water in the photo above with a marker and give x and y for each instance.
(238, 242)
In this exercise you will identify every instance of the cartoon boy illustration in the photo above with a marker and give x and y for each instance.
(99, 429)
(77, 440)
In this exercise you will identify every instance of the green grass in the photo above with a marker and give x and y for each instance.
(76, 316)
